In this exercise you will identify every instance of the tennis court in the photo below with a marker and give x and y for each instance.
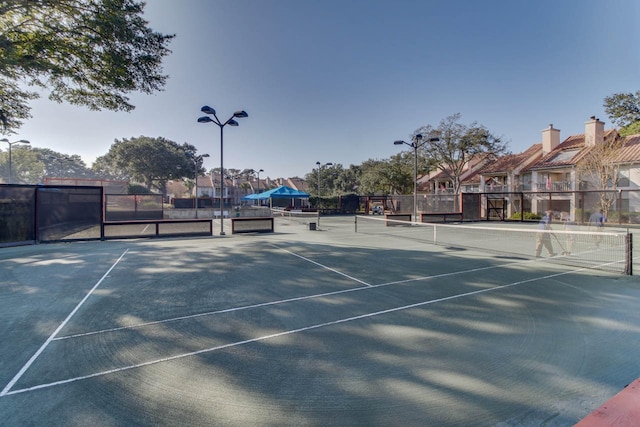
(300, 327)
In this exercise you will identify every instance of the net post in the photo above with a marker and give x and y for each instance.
(435, 234)
(629, 251)
(356, 223)
(103, 199)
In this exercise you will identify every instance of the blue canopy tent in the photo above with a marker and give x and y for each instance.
(282, 192)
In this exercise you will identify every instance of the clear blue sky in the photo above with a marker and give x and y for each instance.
(339, 80)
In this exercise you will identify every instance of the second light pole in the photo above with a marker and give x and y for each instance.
(22, 141)
(231, 122)
(415, 144)
(259, 170)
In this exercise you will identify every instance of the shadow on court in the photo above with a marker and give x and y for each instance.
(306, 329)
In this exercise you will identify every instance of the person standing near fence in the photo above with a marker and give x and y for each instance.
(544, 238)
(596, 221)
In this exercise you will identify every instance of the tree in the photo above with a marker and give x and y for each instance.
(25, 166)
(347, 180)
(394, 175)
(599, 169)
(624, 110)
(58, 165)
(325, 176)
(30, 165)
(249, 174)
(137, 189)
(86, 52)
(106, 167)
(150, 161)
(458, 145)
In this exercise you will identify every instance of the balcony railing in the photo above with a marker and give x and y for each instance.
(496, 188)
(555, 186)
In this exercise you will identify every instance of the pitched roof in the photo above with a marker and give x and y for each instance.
(205, 181)
(297, 183)
(473, 178)
(568, 153)
(630, 150)
(510, 162)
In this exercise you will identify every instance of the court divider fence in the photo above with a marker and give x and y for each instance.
(47, 213)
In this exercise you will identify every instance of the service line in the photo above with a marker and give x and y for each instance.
(324, 266)
(287, 300)
(15, 379)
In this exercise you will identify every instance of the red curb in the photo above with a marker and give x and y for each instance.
(622, 410)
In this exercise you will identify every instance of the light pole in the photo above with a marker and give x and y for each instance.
(231, 122)
(22, 141)
(415, 144)
(196, 161)
(261, 170)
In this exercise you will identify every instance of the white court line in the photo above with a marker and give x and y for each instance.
(302, 298)
(284, 333)
(323, 266)
(8, 387)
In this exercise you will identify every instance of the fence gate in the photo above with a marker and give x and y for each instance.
(496, 208)
(471, 206)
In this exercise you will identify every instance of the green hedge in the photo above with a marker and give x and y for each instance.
(527, 216)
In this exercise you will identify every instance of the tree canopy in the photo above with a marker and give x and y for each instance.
(152, 161)
(86, 52)
(624, 110)
(30, 165)
(390, 176)
(457, 144)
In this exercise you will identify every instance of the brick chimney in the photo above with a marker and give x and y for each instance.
(593, 132)
(550, 139)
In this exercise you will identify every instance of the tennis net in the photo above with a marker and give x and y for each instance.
(585, 248)
(294, 216)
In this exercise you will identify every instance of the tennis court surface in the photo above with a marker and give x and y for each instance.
(308, 328)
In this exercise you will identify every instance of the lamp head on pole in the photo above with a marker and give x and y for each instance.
(240, 114)
(399, 142)
(204, 119)
(232, 122)
(22, 141)
(208, 110)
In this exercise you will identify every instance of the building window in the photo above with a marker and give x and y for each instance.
(623, 178)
